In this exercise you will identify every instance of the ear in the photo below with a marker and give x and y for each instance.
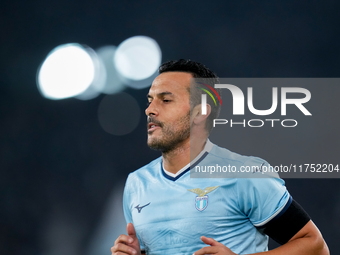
(197, 117)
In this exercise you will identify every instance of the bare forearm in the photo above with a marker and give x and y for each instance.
(301, 246)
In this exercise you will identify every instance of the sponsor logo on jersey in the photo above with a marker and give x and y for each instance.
(201, 200)
(139, 208)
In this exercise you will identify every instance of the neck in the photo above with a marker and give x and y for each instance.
(179, 157)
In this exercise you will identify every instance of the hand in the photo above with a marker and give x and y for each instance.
(127, 244)
(214, 248)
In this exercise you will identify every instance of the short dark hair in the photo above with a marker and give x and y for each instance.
(197, 70)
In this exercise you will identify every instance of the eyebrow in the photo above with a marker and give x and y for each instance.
(165, 93)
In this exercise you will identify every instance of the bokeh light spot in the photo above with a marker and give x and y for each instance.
(113, 83)
(137, 60)
(66, 72)
(119, 114)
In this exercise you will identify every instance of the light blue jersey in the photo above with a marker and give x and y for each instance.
(171, 212)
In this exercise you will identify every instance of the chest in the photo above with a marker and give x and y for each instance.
(176, 215)
(194, 202)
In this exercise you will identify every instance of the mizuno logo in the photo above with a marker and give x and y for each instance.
(139, 208)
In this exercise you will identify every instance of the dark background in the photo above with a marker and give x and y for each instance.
(59, 167)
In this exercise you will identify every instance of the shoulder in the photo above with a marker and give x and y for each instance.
(225, 154)
(146, 173)
(243, 165)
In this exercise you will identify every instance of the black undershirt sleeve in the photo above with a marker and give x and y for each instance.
(284, 227)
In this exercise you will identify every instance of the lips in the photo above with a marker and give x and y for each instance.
(152, 126)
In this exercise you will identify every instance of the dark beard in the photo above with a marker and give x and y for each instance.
(171, 140)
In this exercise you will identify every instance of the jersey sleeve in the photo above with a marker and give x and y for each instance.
(283, 227)
(127, 208)
(262, 198)
(126, 202)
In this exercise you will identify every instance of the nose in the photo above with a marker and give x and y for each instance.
(151, 110)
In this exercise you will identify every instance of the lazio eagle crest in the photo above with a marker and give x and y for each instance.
(201, 201)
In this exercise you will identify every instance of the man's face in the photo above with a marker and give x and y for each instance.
(169, 111)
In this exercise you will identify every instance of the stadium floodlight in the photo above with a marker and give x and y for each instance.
(67, 71)
(137, 60)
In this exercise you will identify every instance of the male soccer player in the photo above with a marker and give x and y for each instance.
(170, 213)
